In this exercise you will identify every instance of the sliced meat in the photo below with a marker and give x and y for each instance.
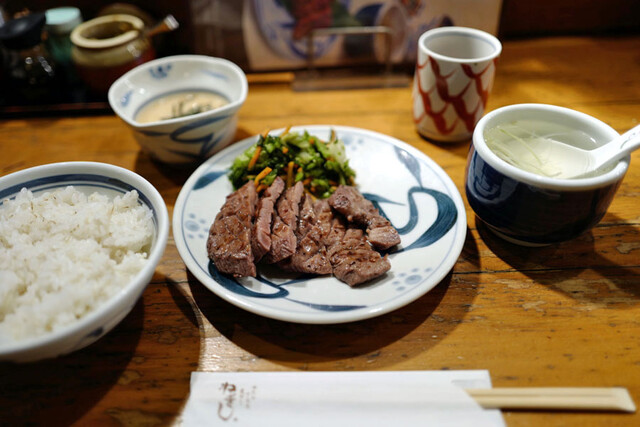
(324, 218)
(287, 228)
(352, 258)
(354, 261)
(349, 202)
(229, 242)
(310, 255)
(283, 238)
(306, 217)
(261, 233)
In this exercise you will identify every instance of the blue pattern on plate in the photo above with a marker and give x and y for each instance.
(281, 292)
(207, 179)
(160, 72)
(447, 216)
(124, 101)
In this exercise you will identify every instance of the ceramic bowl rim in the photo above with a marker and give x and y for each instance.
(577, 184)
(453, 30)
(85, 43)
(231, 107)
(117, 303)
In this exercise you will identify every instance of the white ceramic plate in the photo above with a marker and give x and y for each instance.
(410, 189)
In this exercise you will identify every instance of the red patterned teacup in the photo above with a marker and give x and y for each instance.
(453, 78)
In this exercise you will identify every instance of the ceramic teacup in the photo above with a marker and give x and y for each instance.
(453, 78)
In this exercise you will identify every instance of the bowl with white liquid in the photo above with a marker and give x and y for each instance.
(514, 179)
(182, 109)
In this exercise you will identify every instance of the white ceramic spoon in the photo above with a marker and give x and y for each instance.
(577, 162)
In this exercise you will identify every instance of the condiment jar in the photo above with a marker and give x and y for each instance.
(105, 48)
(27, 66)
(60, 22)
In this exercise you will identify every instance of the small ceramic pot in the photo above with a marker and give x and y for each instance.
(533, 210)
(107, 47)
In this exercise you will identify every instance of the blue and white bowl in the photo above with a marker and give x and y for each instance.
(530, 209)
(183, 140)
(88, 177)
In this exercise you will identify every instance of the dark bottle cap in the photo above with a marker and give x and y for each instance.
(23, 32)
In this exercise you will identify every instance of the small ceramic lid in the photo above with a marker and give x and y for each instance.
(62, 20)
(23, 32)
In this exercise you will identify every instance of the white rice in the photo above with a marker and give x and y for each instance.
(64, 253)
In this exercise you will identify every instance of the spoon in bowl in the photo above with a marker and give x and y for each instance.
(577, 163)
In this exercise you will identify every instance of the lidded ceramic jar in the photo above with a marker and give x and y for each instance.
(105, 48)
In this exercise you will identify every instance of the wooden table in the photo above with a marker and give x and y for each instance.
(565, 315)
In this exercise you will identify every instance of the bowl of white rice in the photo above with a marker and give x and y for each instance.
(79, 242)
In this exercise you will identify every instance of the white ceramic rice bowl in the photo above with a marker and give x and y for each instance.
(87, 177)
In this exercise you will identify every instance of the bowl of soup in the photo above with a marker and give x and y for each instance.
(181, 109)
(513, 185)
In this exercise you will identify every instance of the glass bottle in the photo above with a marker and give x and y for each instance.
(29, 73)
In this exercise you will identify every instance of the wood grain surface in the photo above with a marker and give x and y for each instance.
(565, 315)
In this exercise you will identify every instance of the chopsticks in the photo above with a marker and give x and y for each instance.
(555, 398)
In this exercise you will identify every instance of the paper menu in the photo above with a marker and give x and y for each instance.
(380, 398)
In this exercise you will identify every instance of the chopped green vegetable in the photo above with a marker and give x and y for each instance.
(320, 165)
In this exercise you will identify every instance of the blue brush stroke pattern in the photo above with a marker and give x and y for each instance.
(124, 101)
(235, 287)
(208, 178)
(208, 141)
(160, 72)
(411, 163)
(176, 135)
(447, 217)
(210, 145)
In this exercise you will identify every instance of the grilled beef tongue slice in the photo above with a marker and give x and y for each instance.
(283, 238)
(229, 242)
(349, 202)
(352, 258)
(261, 232)
(310, 255)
